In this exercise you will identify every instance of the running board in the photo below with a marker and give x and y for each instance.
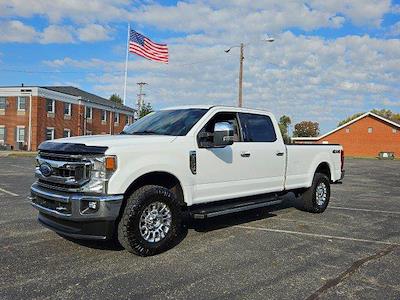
(231, 206)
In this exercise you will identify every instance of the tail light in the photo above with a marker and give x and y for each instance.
(342, 160)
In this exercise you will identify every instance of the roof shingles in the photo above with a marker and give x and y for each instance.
(70, 90)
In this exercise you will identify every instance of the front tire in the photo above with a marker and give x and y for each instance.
(151, 221)
(316, 198)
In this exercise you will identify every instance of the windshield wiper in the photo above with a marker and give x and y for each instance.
(145, 132)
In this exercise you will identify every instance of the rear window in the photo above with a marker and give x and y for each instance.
(257, 128)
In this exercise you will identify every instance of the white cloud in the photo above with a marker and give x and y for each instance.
(305, 77)
(16, 31)
(93, 33)
(75, 10)
(57, 34)
(394, 30)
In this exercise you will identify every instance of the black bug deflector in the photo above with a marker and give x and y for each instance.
(71, 148)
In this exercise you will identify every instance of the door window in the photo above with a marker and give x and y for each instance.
(208, 129)
(257, 128)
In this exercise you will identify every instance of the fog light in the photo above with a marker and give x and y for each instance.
(92, 205)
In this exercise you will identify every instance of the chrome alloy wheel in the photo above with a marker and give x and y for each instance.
(321, 193)
(155, 222)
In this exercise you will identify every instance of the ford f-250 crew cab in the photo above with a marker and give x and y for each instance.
(202, 161)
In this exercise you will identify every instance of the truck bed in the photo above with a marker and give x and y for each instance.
(303, 159)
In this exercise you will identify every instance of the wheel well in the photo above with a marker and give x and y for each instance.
(163, 179)
(324, 169)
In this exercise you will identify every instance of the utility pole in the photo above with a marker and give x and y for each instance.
(241, 58)
(141, 95)
(240, 104)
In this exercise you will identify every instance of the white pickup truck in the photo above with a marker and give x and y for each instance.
(199, 162)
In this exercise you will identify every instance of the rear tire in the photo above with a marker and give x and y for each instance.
(316, 198)
(151, 221)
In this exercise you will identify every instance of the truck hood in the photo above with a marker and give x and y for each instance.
(111, 141)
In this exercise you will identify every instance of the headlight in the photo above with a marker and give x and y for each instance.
(101, 170)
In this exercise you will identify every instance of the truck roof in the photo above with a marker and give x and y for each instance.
(209, 106)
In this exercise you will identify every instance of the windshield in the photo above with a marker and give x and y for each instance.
(166, 122)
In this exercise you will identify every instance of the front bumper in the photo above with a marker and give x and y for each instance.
(69, 214)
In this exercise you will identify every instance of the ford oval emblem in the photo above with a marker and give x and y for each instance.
(46, 170)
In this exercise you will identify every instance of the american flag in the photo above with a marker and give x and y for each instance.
(143, 46)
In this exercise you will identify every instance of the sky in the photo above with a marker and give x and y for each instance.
(330, 58)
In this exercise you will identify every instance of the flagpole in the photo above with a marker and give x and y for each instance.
(126, 62)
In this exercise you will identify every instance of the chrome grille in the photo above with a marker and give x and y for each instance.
(68, 172)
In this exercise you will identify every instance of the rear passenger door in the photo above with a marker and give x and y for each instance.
(264, 151)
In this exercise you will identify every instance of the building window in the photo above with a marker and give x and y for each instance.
(394, 130)
(347, 130)
(370, 129)
(67, 109)
(20, 134)
(21, 103)
(3, 101)
(2, 133)
(50, 106)
(88, 112)
(104, 115)
(126, 120)
(67, 133)
(49, 133)
(116, 117)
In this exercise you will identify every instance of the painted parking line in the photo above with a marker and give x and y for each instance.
(365, 209)
(333, 237)
(8, 192)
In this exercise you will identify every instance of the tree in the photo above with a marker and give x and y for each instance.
(116, 98)
(386, 113)
(284, 123)
(146, 109)
(306, 129)
(350, 118)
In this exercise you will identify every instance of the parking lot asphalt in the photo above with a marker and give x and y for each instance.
(352, 250)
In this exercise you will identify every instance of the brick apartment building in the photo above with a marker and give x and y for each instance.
(365, 136)
(30, 115)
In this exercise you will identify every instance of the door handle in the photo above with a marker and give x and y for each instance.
(279, 153)
(245, 154)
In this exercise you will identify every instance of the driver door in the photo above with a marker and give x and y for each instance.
(221, 172)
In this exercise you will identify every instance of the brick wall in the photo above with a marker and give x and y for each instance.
(41, 120)
(357, 141)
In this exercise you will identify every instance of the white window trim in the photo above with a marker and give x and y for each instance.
(68, 130)
(19, 102)
(5, 103)
(394, 130)
(105, 111)
(3, 127)
(91, 112)
(17, 137)
(52, 134)
(69, 110)
(53, 106)
(372, 129)
(116, 114)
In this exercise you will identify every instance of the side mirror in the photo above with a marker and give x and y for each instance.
(223, 134)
